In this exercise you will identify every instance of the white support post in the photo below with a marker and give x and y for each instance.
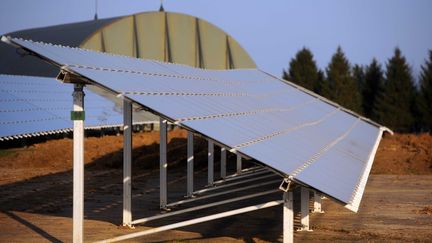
(317, 203)
(210, 155)
(223, 163)
(304, 209)
(127, 163)
(163, 162)
(78, 163)
(190, 164)
(288, 218)
(239, 164)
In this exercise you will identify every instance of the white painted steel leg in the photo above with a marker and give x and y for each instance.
(304, 209)
(190, 164)
(239, 164)
(288, 218)
(78, 164)
(127, 163)
(317, 203)
(163, 162)
(210, 163)
(223, 163)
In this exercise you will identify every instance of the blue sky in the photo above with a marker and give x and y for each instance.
(271, 31)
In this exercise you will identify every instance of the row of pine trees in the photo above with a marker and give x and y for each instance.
(388, 96)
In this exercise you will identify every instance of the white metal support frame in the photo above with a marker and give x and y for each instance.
(163, 164)
(317, 203)
(190, 164)
(239, 164)
(304, 209)
(288, 217)
(207, 205)
(245, 173)
(127, 163)
(221, 193)
(218, 187)
(78, 163)
(223, 163)
(195, 221)
(210, 163)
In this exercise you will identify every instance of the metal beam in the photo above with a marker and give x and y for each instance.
(245, 173)
(233, 184)
(304, 209)
(239, 164)
(223, 163)
(221, 193)
(127, 163)
(288, 218)
(210, 156)
(195, 221)
(317, 203)
(207, 205)
(163, 164)
(78, 163)
(190, 164)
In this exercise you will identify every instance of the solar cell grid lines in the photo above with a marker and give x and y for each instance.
(32, 106)
(295, 132)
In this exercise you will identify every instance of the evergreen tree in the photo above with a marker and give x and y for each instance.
(303, 70)
(320, 82)
(394, 106)
(358, 72)
(359, 76)
(425, 96)
(340, 85)
(373, 83)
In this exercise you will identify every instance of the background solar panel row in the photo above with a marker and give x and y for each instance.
(298, 134)
(36, 105)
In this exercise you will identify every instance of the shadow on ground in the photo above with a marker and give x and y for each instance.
(51, 195)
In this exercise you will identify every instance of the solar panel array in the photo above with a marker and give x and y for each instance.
(32, 106)
(295, 132)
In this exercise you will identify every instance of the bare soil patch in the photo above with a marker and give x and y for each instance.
(36, 195)
(404, 154)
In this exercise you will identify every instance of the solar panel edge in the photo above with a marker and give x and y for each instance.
(355, 201)
(328, 102)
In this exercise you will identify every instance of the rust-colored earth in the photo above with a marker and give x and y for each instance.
(402, 154)
(36, 194)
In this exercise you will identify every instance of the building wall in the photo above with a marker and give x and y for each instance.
(170, 37)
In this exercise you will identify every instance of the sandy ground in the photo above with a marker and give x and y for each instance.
(36, 195)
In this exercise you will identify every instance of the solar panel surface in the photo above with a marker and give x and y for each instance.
(38, 105)
(293, 131)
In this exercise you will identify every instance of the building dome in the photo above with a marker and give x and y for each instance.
(163, 36)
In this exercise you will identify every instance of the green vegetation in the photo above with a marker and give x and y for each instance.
(388, 96)
(425, 96)
(6, 152)
(394, 106)
(303, 70)
(373, 85)
(339, 85)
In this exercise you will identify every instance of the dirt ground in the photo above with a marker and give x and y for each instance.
(36, 195)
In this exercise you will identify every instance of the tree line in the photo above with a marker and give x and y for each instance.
(388, 96)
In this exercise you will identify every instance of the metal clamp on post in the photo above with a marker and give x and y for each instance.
(77, 115)
(286, 183)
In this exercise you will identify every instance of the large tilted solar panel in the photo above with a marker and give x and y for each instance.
(32, 106)
(296, 133)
